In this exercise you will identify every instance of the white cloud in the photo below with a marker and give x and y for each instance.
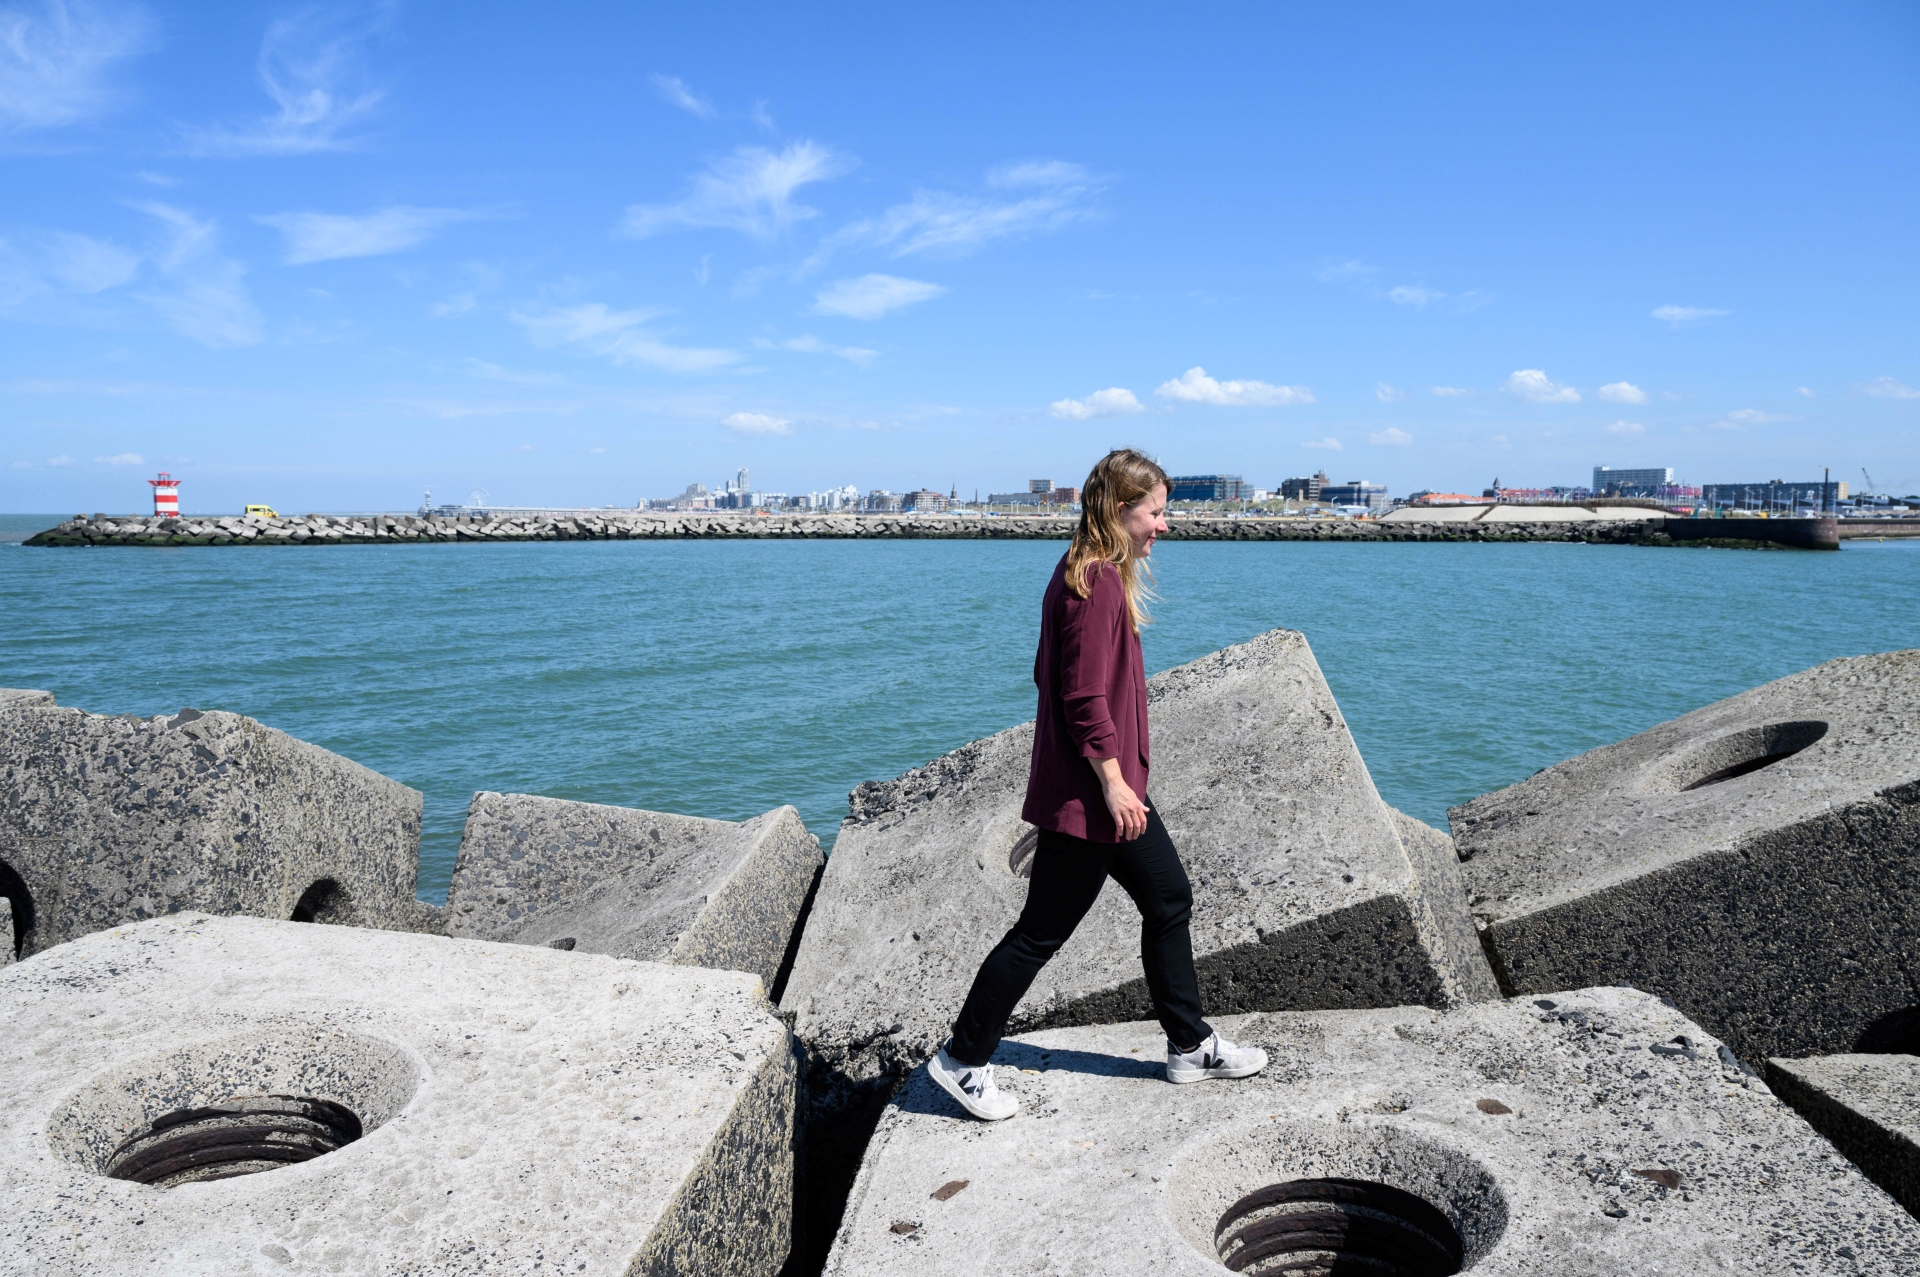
(811, 345)
(1754, 417)
(757, 423)
(1622, 392)
(22, 465)
(871, 296)
(1680, 316)
(1805, 393)
(1116, 401)
(1388, 394)
(1390, 437)
(1342, 272)
(118, 459)
(1532, 383)
(60, 261)
(1194, 386)
(203, 295)
(1626, 428)
(325, 237)
(674, 91)
(313, 66)
(750, 191)
(617, 335)
(1888, 388)
(944, 223)
(454, 306)
(1411, 296)
(54, 62)
(1450, 392)
(62, 460)
(1330, 443)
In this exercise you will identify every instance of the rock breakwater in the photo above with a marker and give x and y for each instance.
(621, 525)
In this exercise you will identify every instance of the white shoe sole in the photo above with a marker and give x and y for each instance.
(953, 1088)
(1180, 1077)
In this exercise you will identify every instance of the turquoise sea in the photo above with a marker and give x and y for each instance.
(724, 678)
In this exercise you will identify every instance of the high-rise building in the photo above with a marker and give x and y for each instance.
(1304, 489)
(1039, 485)
(1206, 487)
(1608, 482)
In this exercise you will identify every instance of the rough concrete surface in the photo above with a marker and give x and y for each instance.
(525, 1110)
(109, 820)
(633, 884)
(1304, 894)
(1868, 1105)
(1779, 908)
(1596, 1132)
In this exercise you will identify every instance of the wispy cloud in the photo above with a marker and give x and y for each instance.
(1046, 195)
(1329, 443)
(1626, 428)
(1532, 383)
(120, 459)
(55, 60)
(1887, 388)
(62, 460)
(314, 67)
(1116, 401)
(1343, 272)
(1194, 386)
(1388, 394)
(1805, 392)
(1451, 392)
(1754, 417)
(750, 191)
(40, 262)
(811, 345)
(1622, 392)
(1391, 437)
(617, 335)
(674, 92)
(871, 296)
(757, 423)
(325, 237)
(201, 294)
(1681, 316)
(1407, 295)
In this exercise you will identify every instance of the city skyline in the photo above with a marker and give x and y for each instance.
(327, 257)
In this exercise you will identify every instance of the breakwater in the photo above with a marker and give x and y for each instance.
(621, 525)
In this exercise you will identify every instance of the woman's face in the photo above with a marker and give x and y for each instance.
(1145, 519)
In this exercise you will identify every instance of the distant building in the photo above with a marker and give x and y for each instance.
(1207, 487)
(1608, 482)
(1774, 495)
(880, 501)
(1037, 496)
(1039, 485)
(925, 501)
(1303, 489)
(1356, 492)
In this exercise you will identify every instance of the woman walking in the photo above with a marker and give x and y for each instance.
(1087, 795)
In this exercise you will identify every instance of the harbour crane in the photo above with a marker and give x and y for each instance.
(1868, 490)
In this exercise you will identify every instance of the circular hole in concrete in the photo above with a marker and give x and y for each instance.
(325, 901)
(1737, 754)
(243, 1135)
(1337, 1225)
(288, 1095)
(1895, 1033)
(1020, 855)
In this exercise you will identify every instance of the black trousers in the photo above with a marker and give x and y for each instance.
(1068, 873)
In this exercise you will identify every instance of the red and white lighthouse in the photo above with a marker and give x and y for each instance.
(166, 496)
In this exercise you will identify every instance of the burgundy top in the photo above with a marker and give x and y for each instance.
(1093, 704)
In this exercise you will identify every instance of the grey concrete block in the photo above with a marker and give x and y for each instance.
(1868, 1105)
(633, 884)
(110, 820)
(12, 696)
(1305, 894)
(523, 1110)
(6, 932)
(1596, 1132)
(1777, 906)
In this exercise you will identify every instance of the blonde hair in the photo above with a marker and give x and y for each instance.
(1120, 478)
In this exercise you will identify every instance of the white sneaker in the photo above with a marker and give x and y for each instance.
(973, 1087)
(1216, 1057)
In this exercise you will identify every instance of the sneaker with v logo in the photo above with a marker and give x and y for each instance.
(973, 1086)
(1216, 1057)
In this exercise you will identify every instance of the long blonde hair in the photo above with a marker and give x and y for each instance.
(1122, 477)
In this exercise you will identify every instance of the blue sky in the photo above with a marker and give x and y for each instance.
(326, 256)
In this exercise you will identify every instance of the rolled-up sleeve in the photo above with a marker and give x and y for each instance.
(1089, 646)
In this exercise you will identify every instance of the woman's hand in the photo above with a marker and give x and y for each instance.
(1129, 813)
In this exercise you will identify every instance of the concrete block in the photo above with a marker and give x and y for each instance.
(1595, 1132)
(13, 696)
(1756, 861)
(1868, 1105)
(109, 820)
(633, 884)
(518, 1110)
(1305, 894)
(6, 932)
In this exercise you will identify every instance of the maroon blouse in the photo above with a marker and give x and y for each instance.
(1093, 704)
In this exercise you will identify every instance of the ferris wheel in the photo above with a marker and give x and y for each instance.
(477, 499)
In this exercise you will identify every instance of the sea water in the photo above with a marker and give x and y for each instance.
(723, 678)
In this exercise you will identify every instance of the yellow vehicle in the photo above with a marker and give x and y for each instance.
(264, 511)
